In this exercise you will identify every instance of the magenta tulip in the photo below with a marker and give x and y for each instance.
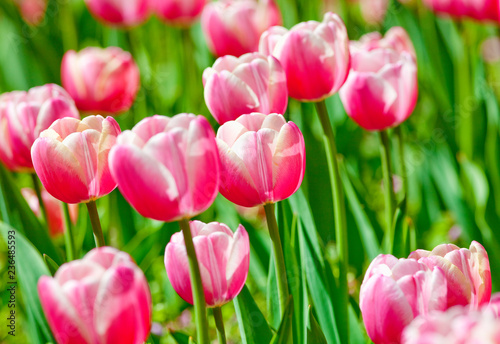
(71, 158)
(394, 292)
(238, 86)
(179, 12)
(103, 298)
(224, 260)
(167, 168)
(263, 159)
(233, 27)
(122, 13)
(381, 90)
(485, 10)
(467, 272)
(315, 56)
(103, 81)
(24, 115)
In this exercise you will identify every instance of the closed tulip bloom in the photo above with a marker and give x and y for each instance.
(24, 115)
(167, 168)
(32, 11)
(233, 27)
(263, 159)
(54, 208)
(223, 256)
(123, 13)
(179, 12)
(100, 80)
(103, 298)
(381, 90)
(374, 11)
(467, 272)
(237, 86)
(486, 10)
(394, 292)
(71, 158)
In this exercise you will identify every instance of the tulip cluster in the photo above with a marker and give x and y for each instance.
(487, 10)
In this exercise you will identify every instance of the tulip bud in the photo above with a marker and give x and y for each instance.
(233, 27)
(167, 168)
(71, 158)
(32, 11)
(263, 159)
(178, 12)
(238, 86)
(394, 292)
(102, 81)
(315, 56)
(119, 13)
(223, 257)
(103, 298)
(24, 115)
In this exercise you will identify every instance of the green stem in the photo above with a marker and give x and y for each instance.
(219, 323)
(36, 186)
(398, 131)
(96, 224)
(68, 234)
(200, 308)
(67, 23)
(340, 219)
(385, 154)
(279, 259)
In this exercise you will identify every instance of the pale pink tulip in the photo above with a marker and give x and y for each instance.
(395, 39)
(55, 213)
(263, 159)
(315, 56)
(238, 86)
(24, 115)
(223, 257)
(233, 27)
(103, 298)
(394, 292)
(103, 81)
(381, 90)
(167, 168)
(484, 10)
(32, 11)
(71, 158)
(122, 13)
(467, 272)
(179, 12)
(374, 11)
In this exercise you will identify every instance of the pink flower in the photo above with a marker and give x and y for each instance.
(374, 11)
(315, 56)
(381, 90)
(237, 86)
(167, 168)
(32, 11)
(467, 272)
(103, 298)
(179, 12)
(394, 292)
(119, 13)
(71, 158)
(233, 27)
(24, 115)
(224, 260)
(481, 10)
(263, 159)
(100, 80)
(54, 210)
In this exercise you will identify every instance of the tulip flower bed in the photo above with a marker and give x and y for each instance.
(249, 171)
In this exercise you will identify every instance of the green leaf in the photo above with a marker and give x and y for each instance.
(400, 225)
(51, 265)
(253, 326)
(180, 338)
(314, 333)
(284, 334)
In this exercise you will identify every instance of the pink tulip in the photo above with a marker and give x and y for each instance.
(71, 158)
(394, 292)
(381, 90)
(484, 10)
(374, 11)
(102, 81)
(315, 56)
(224, 260)
(119, 13)
(233, 27)
(237, 86)
(263, 159)
(467, 272)
(103, 298)
(23, 115)
(179, 12)
(55, 214)
(395, 39)
(167, 168)
(32, 11)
